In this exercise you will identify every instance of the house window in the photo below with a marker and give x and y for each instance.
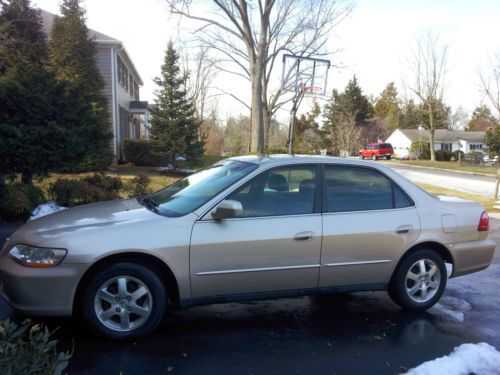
(476, 147)
(136, 91)
(131, 85)
(122, 74)
(446, 146)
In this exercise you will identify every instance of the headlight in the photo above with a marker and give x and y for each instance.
(31, 256)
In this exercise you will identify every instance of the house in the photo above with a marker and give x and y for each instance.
(401, 140)
(129, 115)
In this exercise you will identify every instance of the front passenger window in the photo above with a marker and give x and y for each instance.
(283, 191)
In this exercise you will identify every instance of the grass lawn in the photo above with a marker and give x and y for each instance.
(485, 201)
(447, 165)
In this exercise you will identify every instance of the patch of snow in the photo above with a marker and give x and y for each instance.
(465, 359)
(452, 308)
(45, 209)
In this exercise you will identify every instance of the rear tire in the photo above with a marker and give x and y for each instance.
(124, 301)
(388, 157)
(419, 281)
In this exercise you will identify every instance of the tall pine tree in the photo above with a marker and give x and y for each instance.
(174, 124)
(30, 134)
(83, 104)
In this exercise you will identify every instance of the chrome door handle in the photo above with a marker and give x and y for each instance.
(304, 236)
(404, 229)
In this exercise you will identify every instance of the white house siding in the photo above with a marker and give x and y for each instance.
(400, 143)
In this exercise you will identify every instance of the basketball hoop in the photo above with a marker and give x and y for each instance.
(312, 90)
(303, 76)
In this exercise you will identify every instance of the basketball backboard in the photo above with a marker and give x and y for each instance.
(304, 74)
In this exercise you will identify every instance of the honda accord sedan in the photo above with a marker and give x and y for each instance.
(244, 228)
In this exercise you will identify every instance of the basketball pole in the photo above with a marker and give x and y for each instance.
(293, 112)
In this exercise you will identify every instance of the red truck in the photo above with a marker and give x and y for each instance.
(376, 151)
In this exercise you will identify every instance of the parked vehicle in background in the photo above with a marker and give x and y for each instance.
(376, 151)
(245, 228)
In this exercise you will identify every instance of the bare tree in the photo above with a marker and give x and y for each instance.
(490, 84)
(346, 135)
(459, 119)
(200, 72)
(251, 35)
(428, 64)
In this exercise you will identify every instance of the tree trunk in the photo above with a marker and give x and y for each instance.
(27, 177)
(267, 125)
(431, 133)
(257, 110)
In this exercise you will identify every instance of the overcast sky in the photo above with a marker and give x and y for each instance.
(375, 41)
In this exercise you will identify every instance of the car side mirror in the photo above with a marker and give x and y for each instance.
(227, 209)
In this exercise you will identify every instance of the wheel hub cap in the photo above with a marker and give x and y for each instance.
(123, 303)
(423, 280)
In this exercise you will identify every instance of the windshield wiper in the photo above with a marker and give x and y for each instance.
(149, 202)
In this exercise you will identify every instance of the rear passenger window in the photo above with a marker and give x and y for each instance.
(401, 200)
(361, 189)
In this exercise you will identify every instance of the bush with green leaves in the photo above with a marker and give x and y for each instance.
(17, 200)
(141, 153)
(421, 149)
(139, 185)
(443, 155)
(30, 349)
(96, 188)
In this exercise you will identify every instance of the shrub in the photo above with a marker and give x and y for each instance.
(455, 155)
(423, 147)
(91, 189)
(141, 153)
(29, 349)
(140, 185)
(443, 155)
(18, 200)
(108, 183)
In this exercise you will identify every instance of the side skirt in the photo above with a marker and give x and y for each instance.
(281, 294)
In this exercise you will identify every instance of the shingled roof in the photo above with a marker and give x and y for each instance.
(444, 135)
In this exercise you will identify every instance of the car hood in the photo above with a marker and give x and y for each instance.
(81, 218)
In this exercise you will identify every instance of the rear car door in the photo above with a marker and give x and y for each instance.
(273, 246)
(368, 220)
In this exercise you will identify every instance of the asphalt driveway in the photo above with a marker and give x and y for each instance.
(358, 333)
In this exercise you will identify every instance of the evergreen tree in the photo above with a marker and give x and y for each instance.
(174, 124)
(482, 119)
(307, 131)
(83, 104)
(411, 116)
(350, 103)
(346, 109)
(492, 141)
(387, 107)
(30, 134)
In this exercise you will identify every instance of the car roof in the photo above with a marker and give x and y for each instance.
(284, 159)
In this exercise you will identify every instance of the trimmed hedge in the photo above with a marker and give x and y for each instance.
(18, 200)
(69, 192)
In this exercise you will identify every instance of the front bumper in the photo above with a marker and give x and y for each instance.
(39, 291)
(472, 256)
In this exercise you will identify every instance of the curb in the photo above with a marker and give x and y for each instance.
(442, 169)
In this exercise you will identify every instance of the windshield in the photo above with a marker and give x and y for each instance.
(188, 194)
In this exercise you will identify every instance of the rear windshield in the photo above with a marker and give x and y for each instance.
(385, 145)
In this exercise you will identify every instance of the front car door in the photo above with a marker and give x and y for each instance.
(368, 221)
(273, 246)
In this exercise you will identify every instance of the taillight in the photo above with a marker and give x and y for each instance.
(484, 223)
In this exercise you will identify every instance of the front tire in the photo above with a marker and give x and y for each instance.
(374, 157)
(419, 281)
(123, 301)
(361, 156)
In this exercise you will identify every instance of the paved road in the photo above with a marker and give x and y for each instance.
(469, 183)
(360, 333)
